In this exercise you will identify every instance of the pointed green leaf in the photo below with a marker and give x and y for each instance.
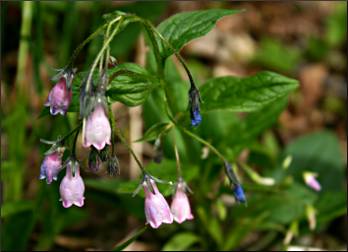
(245, 94)
(130, 84)
(155, 131)
(183, 27)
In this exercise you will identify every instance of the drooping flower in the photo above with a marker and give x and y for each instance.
(194, 100)
(311, 181)
(180, 206)
(157, 210)
(59, 98)
(72, 187)
(96, 128)
(51, 166)
(238, 193)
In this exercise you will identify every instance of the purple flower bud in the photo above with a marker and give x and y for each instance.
(72, 187)
(59, 98)
(180, 206)
(97, 130)
(311, 181)
(157, 210)
(51, 166)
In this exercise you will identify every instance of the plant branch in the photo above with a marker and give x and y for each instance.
(106, 44)
(199, 139)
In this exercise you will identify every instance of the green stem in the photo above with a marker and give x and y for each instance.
(124, 141)
(148, 27)
(70, 133)
(178, 166)
(211, 147)
(27, 13)
(108, 48)
(180, 58)
(74, 154)
(193, 85)
(113, 127)
(102, 51)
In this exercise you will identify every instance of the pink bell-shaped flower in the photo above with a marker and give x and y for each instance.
(311, 181)
(59, 98)
(72, 187)
(180, 206)
(51, 166)
(157, 210)
(96, 130)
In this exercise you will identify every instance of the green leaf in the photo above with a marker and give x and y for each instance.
(245, 94)
(130, 84)
(280, 206)
(181, 242)
(318, 152)
(155, 131)
(123, 245)
(183, 27)
(331, 205)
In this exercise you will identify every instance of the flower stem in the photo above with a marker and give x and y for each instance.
(74, 154)
(106, 44)
(199, 139)
(124, 141)
(178, 166)
(70, 133)
(180, 58)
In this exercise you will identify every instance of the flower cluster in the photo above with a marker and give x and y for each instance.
(157, 210)
(96, 134)
(98, 131)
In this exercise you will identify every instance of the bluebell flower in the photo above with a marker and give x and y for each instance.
(238, 193)
(194, 99)
(196, 117)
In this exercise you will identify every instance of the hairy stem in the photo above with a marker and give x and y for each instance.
(106, 44)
